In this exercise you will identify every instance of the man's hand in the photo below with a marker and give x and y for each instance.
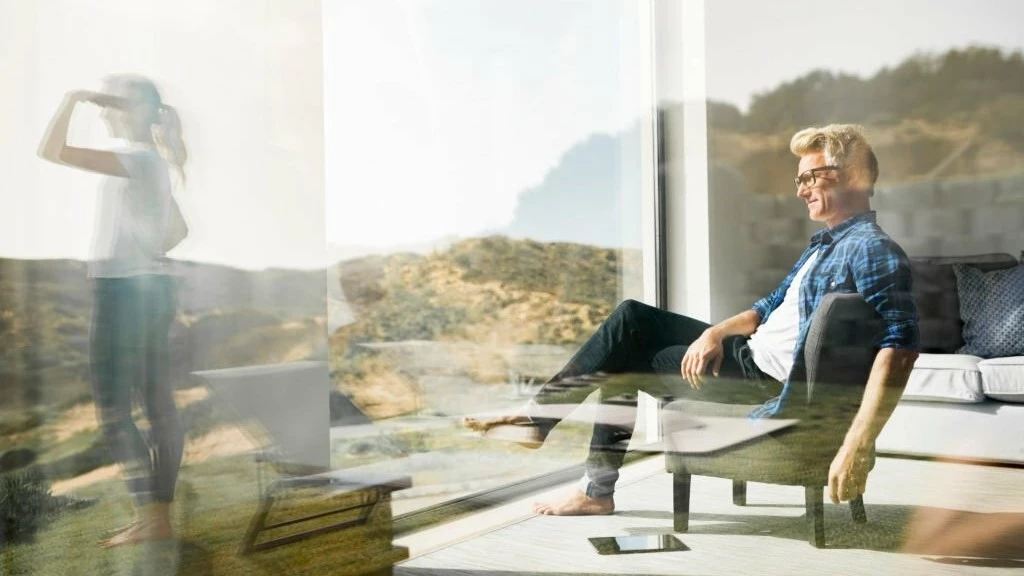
(848, 474)
(704, 351)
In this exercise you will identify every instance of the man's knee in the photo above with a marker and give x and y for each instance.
(631, 308)
(669, 360)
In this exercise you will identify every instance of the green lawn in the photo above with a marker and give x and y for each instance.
(215, 501)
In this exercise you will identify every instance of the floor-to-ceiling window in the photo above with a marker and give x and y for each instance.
(488, 168)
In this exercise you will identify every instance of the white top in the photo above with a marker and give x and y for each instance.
(132, 217)
(774, 340)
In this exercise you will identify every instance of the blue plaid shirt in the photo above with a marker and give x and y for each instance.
(853, 256)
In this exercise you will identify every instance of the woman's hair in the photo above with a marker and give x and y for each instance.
(843, 145)
(163, 119)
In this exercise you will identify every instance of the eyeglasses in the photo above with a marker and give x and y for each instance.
(809, 177)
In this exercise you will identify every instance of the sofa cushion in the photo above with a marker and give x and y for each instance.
(1003, 378)
(945, 378)
(992, 308)
(935, 293)
(991, 432)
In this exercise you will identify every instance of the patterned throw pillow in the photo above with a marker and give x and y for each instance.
(992, 308)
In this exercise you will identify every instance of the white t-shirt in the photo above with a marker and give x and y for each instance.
(132, 217)
(774, 341)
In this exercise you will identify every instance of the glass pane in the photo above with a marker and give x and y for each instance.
(938, 91)
(103, 331)
(484, 197)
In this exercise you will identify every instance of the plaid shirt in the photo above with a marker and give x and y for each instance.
(853, 256)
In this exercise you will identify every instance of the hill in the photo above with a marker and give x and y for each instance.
(492, 294)
(483, 296)
(591, 196)
(226, 317)
(951, 115)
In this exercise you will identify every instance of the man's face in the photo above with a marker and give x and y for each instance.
(825, 197)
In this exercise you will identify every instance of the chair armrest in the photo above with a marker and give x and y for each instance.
(842, 342)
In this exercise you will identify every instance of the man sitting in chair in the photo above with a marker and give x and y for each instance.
(749, 358)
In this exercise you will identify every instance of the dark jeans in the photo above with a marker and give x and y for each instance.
(129, 359)
(637, 339)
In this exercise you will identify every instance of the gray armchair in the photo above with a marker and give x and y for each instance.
(828, 386)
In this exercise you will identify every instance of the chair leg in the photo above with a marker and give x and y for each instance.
(739, 492)
(680, 501)
(857, 510)
(814, 497)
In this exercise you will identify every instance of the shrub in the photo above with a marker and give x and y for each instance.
(26, 506)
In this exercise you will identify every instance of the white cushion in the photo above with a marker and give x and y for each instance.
(1003, 378)
(988, 432)
(945, 378)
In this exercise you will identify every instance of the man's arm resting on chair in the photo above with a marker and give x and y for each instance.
(848, 474)
(707, 350)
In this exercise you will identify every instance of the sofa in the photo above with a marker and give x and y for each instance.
(956, 405)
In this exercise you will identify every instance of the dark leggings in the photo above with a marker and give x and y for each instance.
(129, 359)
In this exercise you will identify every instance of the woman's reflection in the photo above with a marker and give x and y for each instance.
(139, 221)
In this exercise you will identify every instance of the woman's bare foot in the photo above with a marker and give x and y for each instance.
(143, 531)
(517, 429)
(154, 523)
(485, 424)
(111, 533)
(577, 504)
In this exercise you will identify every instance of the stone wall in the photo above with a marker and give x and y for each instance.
(756, 238)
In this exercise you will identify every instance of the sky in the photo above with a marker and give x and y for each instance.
(753, 46)
(244, 77)
(391, 122)
(444, 111)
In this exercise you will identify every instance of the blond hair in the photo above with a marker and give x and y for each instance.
(843, 145)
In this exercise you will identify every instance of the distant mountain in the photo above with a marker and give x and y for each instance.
(591, 196)
(975, 85)
(953, 114)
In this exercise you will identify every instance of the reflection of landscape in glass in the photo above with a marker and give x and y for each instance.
(483, 313)
(464, 327)
(954, 114)
(461, 331)
(461, 324)
(227, 318)
(949, 135)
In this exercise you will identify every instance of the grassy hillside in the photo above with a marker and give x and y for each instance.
(493, 292)
(518, 291)
(490, 291)
(955, 114)
(226, 317)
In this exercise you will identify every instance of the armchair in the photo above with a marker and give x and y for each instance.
(828, 386)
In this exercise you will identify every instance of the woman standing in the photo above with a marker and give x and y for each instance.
(134, 300)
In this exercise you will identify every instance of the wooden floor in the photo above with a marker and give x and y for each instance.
(923, 518)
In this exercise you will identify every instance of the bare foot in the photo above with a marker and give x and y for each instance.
(142, 531)
(577, 504)
(111, 533)
(517, 429)
(485, 424)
